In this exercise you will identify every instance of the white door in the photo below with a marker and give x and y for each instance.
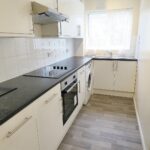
(74, 9)
(16, 17)
(23, 137)
(125, 76)
(103, 75)
(50, 123)
(82, 85)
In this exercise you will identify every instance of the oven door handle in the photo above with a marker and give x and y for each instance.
(67, 91)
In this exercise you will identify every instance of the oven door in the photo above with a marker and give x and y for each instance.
(70, 100)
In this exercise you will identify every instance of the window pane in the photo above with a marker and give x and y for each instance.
(110, 30)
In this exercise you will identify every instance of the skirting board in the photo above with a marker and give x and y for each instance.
(113, 93)
(139, 124)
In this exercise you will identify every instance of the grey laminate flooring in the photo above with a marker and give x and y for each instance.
(106, 123)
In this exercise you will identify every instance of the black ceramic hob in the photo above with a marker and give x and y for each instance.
(49, 72)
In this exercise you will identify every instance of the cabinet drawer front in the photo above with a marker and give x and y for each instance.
(54, 93)
(18, 20)
(22, 137)
(14, 124)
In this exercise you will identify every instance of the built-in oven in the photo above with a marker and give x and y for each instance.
(69, 92)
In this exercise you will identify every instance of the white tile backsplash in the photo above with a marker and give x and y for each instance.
(21, 55)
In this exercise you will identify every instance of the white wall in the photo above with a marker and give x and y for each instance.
(143, 79)
(21, 55)
(117, 4)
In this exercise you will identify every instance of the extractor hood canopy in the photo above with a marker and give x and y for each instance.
(45, 15)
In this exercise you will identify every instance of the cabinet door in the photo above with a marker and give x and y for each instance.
(74, 9)
(49, 3)
(50, 123)
(103, 75)
(82, 85)
(16, 17)
(23, 137)
(125, 76)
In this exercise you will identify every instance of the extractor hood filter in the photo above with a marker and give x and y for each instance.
(44, 15)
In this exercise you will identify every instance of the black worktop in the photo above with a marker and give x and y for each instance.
(28, 89)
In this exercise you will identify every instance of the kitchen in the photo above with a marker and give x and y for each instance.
(74, 75)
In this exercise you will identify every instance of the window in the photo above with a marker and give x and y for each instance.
(109, 30)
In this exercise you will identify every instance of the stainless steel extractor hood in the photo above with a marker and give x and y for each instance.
(45, 15)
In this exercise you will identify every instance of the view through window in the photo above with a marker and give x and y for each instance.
(109, 30)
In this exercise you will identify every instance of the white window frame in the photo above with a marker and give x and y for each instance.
(105, 11)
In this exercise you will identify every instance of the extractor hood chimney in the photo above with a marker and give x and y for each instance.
(45, 15)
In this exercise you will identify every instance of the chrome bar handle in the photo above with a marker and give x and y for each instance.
(10, 133)
(51, 98)
(113, 66)
(79, 85)
(61, 106)
(117, 66)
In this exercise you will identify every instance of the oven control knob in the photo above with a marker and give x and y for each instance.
(58, 67)
(65, 68)
(61, 67)
(54, 67)
(66, 83)
(74, 77)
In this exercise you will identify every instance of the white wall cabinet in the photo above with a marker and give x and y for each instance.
(115, 75)
(16, 18)
(74, 28)
(75, 11)
(20, 132)
(82, 85)
(50, 123)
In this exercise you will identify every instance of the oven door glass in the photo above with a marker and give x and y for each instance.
(70, 100)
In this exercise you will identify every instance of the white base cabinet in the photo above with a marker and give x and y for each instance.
(20, 132)
(115, 75)
(125, 76)
(24, 138)
(82, 85)
(103, 75)
(50, 123)
(40, 125)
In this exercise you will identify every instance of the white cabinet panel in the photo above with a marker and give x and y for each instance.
(74, 27)
(50, 123)
(24, 138)
(103, 75)
(20, 132)
(82, 85)
(49, 3)
(75, 10)
(115, 75)
(125, 76)
(16, 17)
